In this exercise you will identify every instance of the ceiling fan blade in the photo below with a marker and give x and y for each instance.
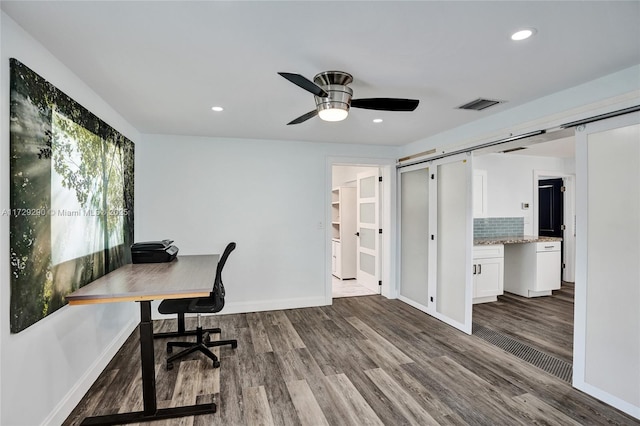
(305, 83)
(386, 104)
(304, 117)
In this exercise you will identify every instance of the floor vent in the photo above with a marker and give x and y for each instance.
(480, 104)
(552, 365)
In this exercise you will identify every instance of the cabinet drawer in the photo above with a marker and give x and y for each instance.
(483, 252)
(548, 246)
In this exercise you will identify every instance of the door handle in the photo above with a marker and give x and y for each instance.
(357, 234)
(479, 268)
(474, 269)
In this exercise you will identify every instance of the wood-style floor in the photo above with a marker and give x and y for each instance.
(544, 323)
(363, 360)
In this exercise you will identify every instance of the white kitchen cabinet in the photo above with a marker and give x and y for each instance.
(343, 224)
(479, 193)
(488, 272)
(532, 269)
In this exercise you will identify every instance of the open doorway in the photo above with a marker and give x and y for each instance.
(356, 211)
(518, 181)
(554, 198)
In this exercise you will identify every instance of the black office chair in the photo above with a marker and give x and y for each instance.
(200, 305)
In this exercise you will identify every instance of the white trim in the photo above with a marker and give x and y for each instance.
(66, 405)
(255, 306)
(272, 305)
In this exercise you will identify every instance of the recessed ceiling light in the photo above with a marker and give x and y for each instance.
(377, 120)
(523, 34)
(217, 108)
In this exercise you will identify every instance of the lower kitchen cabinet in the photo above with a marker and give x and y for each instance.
(488, 272)
(533, 269)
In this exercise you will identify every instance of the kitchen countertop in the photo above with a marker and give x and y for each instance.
(513, 240)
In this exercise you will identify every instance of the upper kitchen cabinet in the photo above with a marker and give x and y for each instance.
(479, 193)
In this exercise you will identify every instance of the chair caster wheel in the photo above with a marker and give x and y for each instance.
(169, 366)
(234, 345)
(216, 364)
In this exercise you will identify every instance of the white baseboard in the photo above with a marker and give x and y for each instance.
(273, 305)
(259, 306)
(75, 394)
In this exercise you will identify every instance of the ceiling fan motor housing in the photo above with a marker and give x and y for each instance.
(335, 84)
(334, 98)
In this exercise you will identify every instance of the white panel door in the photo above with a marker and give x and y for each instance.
(368, 224)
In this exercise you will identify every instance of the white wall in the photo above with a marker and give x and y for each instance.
(510, 183)
(614, 91)
(270, 197)
(46, 369)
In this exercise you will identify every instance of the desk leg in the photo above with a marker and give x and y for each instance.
(147, 361)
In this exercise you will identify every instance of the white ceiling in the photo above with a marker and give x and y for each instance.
(163, 64)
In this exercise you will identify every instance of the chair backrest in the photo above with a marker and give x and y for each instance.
(218, 287)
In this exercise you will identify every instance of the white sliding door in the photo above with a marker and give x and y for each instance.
(607, 294)
(453, 243)
(436, 231)
(414, 237)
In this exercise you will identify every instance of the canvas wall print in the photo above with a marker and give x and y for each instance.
(71, 197)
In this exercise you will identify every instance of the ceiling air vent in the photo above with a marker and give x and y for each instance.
(480, 104)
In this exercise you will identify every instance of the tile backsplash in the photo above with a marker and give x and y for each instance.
(491, 227)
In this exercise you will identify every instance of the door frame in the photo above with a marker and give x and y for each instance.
(388, 212)
(569, 234)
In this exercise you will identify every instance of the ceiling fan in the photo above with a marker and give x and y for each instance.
(333, 97)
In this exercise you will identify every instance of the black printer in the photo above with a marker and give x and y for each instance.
(153, 251)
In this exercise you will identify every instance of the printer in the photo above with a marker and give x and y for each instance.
(153, 251)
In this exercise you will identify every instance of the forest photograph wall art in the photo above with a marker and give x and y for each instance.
(71, 197)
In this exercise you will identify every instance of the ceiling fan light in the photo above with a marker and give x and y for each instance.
(333, 114)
